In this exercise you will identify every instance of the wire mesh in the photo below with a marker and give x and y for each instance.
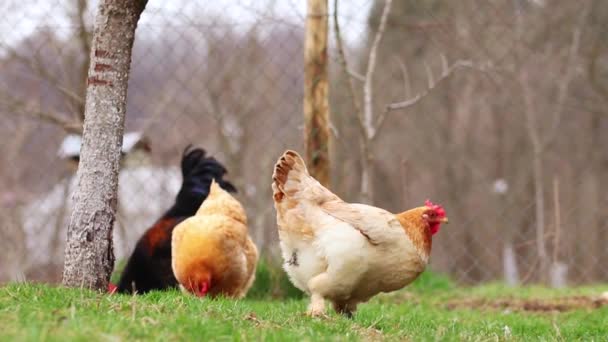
(228, 77)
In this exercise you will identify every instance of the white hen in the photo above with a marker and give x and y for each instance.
(345, 252)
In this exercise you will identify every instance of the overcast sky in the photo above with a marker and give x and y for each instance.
(19, 18)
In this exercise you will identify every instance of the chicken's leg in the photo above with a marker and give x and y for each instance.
(317, 285)
(345, 308)
(316, 308)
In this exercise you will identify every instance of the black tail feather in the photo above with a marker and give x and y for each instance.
(198, 170)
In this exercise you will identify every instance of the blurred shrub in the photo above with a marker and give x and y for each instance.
(271, 281)
(430, 281)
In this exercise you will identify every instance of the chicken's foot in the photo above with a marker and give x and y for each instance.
(316, 308)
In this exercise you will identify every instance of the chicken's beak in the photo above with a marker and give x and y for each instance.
(444, 220)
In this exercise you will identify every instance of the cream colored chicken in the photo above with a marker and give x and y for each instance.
(212, 252)
(342, 252)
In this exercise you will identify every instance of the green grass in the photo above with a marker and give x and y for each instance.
(41, 312)
(270, 280)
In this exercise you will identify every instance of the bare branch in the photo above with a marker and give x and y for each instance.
(564, 85)
(411, 101)
(168, 95)
(432, 84)
(40, 70)
(83, 33)
(429, 75)
(85, 46)
(407, 86)
(68, 126)
(368, 117)
(345, 67)
(356, 75)
(444, 65)
(334, 130)
(16, 106)
(529, 112)
(268, 14)
(558, 220)
(596, 85)
(71, 102)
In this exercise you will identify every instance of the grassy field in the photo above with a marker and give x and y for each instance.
(431, 309)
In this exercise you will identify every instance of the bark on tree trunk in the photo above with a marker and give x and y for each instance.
(89, 256)
(316, 104)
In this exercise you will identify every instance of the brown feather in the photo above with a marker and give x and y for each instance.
(417, 228)
(209, 247)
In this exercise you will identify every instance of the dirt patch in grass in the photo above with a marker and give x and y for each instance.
(532, 305)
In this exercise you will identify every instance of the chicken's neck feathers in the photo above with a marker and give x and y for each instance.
(417, 229)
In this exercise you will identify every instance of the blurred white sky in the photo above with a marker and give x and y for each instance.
(19, 18)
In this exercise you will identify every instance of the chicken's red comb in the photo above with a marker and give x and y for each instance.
(438, 209)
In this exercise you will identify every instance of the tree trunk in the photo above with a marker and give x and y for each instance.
(366, 193)
(538, 148)
(539, 199)
(316, 104)
(89, 255)
(600, 161)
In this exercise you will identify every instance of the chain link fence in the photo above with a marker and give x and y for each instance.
(513, 144)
